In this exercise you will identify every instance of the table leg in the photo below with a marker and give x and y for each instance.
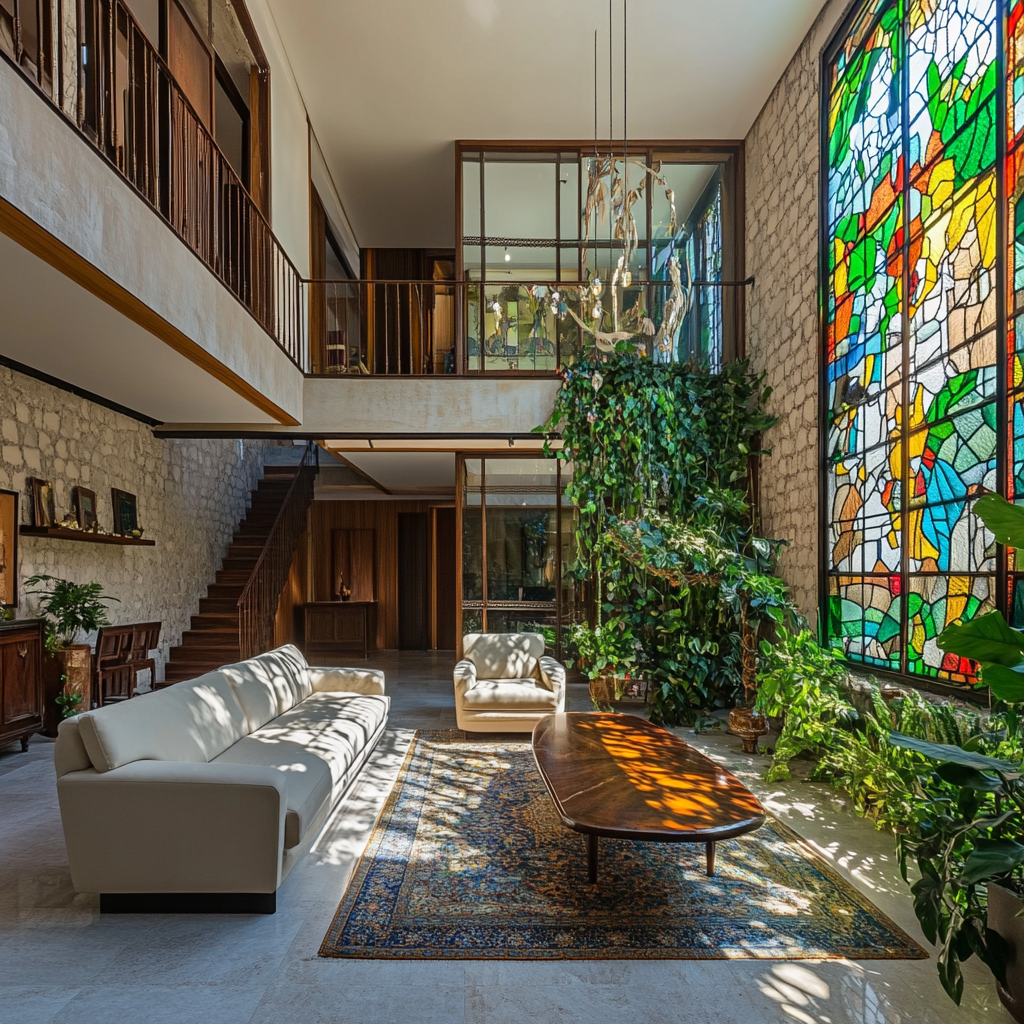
(711, 859)
(591, 859)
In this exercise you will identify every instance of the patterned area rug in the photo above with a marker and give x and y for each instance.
(468, 860)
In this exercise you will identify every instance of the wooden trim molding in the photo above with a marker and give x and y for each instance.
(28, 234)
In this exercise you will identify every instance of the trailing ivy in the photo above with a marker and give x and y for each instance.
(654, 441)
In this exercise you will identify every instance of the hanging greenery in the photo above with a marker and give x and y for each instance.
(660, 456)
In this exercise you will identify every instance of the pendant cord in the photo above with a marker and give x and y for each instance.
(595, 94)
(611, 145)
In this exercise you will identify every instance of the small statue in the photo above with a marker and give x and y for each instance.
(69, 522)
(343, 592)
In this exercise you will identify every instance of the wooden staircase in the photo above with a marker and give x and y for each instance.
(215, 637)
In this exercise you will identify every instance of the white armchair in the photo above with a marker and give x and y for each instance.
(505, 684)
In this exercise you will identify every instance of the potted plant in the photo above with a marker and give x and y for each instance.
(69, 610)
(603, 654)
(967, 845)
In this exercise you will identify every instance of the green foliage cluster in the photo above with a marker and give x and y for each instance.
(69, 609)
(68, 704)
(660, 444)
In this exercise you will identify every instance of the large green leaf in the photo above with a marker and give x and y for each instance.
(992, 858)
(1006, 521)
(1006, 684)
(950, 754)
(986, 639)
(969, 778)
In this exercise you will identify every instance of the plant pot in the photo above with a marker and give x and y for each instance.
(1003, 908)
(602, 690)
(65, 671)
(748, 725)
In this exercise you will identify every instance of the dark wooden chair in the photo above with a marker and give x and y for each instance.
(112, 676)
(145, 639)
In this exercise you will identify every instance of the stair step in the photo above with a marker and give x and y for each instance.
(225, 591)
(236, 576)
(246, 563)
(219, 636)
(205, 621)
(213, 605)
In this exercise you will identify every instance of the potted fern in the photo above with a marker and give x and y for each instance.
(69, 609)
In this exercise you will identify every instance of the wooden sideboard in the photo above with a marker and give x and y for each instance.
(21, 681)
(338, 627)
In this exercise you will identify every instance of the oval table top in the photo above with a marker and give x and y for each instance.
(620, 776)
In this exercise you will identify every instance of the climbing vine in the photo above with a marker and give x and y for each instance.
(669, 445)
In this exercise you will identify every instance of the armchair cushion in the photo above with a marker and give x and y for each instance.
(509, 695)
(503, 655)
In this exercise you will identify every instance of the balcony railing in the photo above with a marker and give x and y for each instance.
(91, 59)
(414, 328)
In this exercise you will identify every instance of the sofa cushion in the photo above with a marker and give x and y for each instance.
(503, 655)
(316, 743)
(191, 721)
(509, 695)
(269, 685)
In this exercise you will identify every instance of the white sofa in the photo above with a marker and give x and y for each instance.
(204, 795)
(505, 684)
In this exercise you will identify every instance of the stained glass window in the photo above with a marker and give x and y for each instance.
(918, 424)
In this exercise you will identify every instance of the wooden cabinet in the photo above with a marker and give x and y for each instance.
(338, 627)
(21, 687)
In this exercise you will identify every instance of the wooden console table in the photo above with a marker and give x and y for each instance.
(339, 627)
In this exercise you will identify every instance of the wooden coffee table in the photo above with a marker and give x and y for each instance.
(621, 777)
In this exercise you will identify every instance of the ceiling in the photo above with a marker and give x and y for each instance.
(390, 85)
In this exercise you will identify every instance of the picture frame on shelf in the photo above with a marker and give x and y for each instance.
(44, 510)
(85, 509)
(126, 512)
(8, 548)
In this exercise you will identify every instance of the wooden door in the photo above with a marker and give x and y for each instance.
(191, 62)
(445, 591)
(413, 581)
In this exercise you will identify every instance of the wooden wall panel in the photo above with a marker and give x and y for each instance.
(287, 624)
(382, 518)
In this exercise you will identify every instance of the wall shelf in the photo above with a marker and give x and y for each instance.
(63, 533)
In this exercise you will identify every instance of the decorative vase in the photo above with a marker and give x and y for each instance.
(748, 725)
(1004, 907)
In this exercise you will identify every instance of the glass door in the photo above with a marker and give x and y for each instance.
(516, 534)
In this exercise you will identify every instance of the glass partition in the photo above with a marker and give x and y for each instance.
(516, 538)
(537, 222)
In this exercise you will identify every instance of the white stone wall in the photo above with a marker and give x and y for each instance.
(782, 313)
(191, 495)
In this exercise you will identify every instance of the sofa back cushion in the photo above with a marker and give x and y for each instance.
(270, 684)
(503, 655)
(191, 721)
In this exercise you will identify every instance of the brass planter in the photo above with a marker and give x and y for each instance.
(602, 690)
(65, 671)
(749, 726)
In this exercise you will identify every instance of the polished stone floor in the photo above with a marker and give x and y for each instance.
(61, 961)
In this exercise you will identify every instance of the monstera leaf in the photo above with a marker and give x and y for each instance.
(1006, 521)
(987, 639)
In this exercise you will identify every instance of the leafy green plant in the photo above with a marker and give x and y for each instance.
(69, 609)
(661, 451)
(965, 832)
(801, 682)
(68, 703)
(609, 648)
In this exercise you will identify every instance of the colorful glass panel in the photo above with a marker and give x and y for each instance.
(914, 327)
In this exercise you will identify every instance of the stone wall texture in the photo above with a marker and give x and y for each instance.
(191, 495)
(782, 311)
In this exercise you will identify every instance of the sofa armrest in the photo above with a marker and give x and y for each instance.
(465, 677)
(552, 675)
(169, 826)
(346, 680)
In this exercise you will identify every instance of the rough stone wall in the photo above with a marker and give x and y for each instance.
(191, 495)
(782, 317)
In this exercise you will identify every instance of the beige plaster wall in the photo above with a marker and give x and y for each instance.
(782, 314)
(191, 495)
(53, 176)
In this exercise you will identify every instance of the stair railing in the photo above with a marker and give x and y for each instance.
(257, 606)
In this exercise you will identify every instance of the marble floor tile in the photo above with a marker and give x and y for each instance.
(62, 961)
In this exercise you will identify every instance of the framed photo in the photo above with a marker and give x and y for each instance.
(126, 515)
(85, 508)
(43, 509)
(8, 547)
